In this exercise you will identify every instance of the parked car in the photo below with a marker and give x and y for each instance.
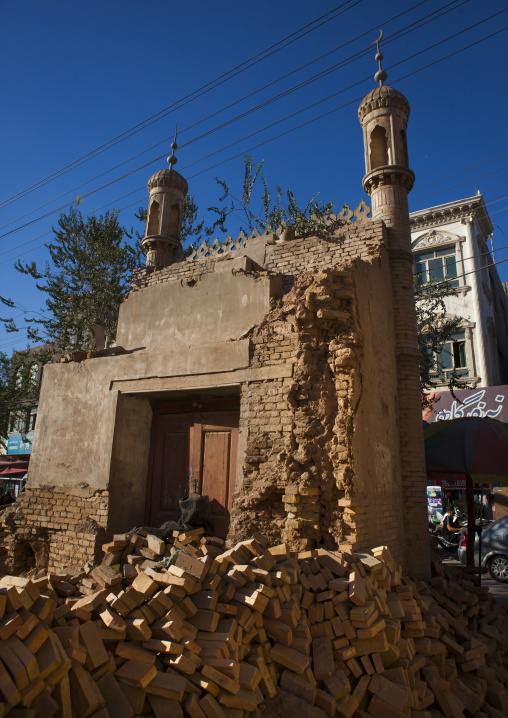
(494, 549)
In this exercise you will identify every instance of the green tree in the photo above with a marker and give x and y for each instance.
(435, 329)
(277, 210)
(85, 282)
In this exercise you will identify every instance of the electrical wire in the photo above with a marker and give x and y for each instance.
(266, 141)
(446, 281)
(457, 174)
(473, 271)
(436, 14)
(489, 214)
(397, 35)
(199, 92)
(98, 189)
(487, 174)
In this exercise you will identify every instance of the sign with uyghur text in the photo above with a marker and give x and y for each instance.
(20, 443)
(452, 481)
(491, 402)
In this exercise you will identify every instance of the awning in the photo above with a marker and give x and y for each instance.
(12, 472)
(16, 463)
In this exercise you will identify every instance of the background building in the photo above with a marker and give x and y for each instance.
(16, 447)
(451, 241)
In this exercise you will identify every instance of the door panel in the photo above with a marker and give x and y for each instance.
(193, 452)
(215, 468)
(170, 470)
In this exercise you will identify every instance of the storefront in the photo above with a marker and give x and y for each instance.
(445, 490)
(448, 490)
(12, 476)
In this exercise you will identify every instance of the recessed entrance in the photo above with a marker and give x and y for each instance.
(193, 451)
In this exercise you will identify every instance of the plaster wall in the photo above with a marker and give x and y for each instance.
(377, 499)
(315, 367)
(74, 437)
(74, 433)
(217, 307)
(129, 463)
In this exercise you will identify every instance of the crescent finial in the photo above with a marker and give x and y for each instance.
(172, 160)
(380, 75)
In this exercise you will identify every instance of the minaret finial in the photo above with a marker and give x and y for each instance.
(380, 75)
(172, 160)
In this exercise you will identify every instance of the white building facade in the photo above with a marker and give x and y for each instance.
(454, 242)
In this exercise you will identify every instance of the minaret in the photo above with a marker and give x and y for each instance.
(162, 240)
(383, 114)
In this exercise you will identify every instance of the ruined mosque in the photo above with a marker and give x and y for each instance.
(278, 375)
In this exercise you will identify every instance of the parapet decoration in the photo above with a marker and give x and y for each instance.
(215, 248)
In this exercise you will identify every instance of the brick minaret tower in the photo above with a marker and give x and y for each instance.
(162, 240)
(384, 113)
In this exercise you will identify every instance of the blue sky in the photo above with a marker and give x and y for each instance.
(75, 76)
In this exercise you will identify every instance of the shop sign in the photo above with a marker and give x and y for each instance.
(457, 481)
(434, 500)
(491, 402)
(20, 443)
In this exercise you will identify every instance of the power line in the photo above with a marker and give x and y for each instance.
(204, 89)
(445, 281)
(472, 271)
(397, 35)
(5, 261)
(487, 174)
(272, 138)
(98, 189)
(457, 174)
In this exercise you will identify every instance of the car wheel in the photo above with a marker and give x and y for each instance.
(498, 568)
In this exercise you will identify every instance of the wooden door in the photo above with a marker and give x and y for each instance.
(216, 466)
(193, 450)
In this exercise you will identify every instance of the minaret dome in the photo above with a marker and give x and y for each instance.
(384, 114)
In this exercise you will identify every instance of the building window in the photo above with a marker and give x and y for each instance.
(437, 266)
(18, 422)
(32, 418)
(34, 374)
(452, 359)
(19, 377)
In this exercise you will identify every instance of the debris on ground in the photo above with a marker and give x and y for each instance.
(186, 627)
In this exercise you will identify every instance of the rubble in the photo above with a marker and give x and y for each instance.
(188, 627)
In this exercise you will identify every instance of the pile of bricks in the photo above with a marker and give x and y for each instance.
(186, 627)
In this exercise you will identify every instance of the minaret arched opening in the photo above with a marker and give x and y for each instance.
(403, 144)
(378, 148)
(174, 221)
(153, 219)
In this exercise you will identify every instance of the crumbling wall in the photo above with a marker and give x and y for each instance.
(322, 462)
(51, 528)
(319, 439)
(298, 463)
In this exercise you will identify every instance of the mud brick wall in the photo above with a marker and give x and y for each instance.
(299, 479)
(146, 277)
(297, 457)
(51, 529)
(300, 483)
(321, 438)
